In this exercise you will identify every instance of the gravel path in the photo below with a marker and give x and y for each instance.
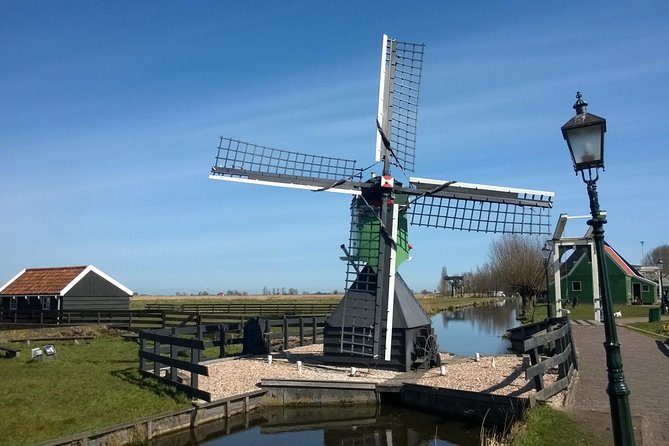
(231, 377)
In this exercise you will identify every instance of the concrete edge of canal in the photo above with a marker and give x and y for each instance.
(499, 410)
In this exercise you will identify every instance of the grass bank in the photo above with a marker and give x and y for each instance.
(585, 311)
(545, 426)
(86, 386)
(657, 330)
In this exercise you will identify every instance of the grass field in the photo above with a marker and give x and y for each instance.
(430, 302)
(84, 387)
(584, 311)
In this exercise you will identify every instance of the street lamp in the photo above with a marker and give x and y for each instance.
(546, 252)
(660, 265)
(585, 137)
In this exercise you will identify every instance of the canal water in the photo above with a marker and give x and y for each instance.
(463, 332)
(382, 425)
(479, 329)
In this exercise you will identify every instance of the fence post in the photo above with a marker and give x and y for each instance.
(196, 357)
(173, 355)
(41, 317)
(221, 352)
(314, 330)
(268, 336)
(130, 321)
(162, 315)
(98, 318)
(301, 331)
(156, 363)
(285, 333)
(142, 345)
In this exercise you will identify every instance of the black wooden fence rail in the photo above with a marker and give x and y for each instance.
(249, 309)
(300, 327)
(123, 319)
(556, 340)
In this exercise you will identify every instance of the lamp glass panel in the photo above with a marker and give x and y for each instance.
(586, 144)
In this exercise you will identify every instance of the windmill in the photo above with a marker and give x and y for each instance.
(379, 320)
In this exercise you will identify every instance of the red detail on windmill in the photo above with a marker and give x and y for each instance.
(391, 201)
(387, 181)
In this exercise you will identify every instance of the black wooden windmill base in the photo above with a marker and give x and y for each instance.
(349, 331)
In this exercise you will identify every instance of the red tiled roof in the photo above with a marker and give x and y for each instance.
(620, 261)
(35, 281)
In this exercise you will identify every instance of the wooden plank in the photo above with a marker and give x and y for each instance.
(190, 391)
(544, 337)
(548, 363)
(166, 339)
(558, 386)
(178, 363)
(536, 360)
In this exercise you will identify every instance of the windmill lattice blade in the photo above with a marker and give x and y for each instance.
(242, 161)
(403, 69)
(480, 215)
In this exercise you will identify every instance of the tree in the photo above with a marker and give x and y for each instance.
(517, 264)
(652, 256)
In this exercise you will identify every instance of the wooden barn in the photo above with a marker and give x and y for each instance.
(627, 285)
(69, 288)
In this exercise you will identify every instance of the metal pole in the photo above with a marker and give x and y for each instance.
(549, 309)
(621, 418)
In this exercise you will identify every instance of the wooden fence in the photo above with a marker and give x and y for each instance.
(280, 331)
(164, 352)
(249, 309)
(161, 354)
(125, 319)
(557, 345)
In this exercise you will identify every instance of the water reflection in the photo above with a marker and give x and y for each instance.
(332, 426)
(475, 329)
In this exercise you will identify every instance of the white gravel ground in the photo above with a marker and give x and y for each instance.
(231, 377)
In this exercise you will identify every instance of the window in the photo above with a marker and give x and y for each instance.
(645, 288)
(576, 285)
(12, 303)
(46, 302)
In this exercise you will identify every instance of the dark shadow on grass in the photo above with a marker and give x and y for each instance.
(662, 347)
(131, 375)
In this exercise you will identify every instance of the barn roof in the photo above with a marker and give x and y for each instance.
(58, 280)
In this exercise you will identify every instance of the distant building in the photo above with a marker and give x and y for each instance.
(626, 284)
(73, 288)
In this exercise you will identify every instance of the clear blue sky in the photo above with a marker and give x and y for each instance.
(111, 112)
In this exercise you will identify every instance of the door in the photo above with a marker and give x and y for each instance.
(636, 293)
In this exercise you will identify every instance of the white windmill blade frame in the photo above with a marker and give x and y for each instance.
(474, 187)
(287, 185)
(382, 114)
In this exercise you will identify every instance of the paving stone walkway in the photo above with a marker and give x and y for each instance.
(646, 367)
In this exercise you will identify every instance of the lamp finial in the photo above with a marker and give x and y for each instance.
(580, 105)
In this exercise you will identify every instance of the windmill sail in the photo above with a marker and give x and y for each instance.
(399, 87)
(240, 161)
(478, 207)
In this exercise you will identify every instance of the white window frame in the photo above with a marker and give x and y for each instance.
(13, 303)
(46, 302)
(645, 288)
(573, 288)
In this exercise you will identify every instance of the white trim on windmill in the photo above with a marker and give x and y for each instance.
(285, 185)
(381, 116)
(480, 187)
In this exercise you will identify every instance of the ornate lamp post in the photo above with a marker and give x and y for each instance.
(585, 137)
(660, 264)
(546, 252)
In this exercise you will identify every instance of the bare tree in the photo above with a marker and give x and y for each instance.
(655, 254)
(518, 266)
(443, 288)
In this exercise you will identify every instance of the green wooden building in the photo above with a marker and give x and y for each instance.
(627, 285)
